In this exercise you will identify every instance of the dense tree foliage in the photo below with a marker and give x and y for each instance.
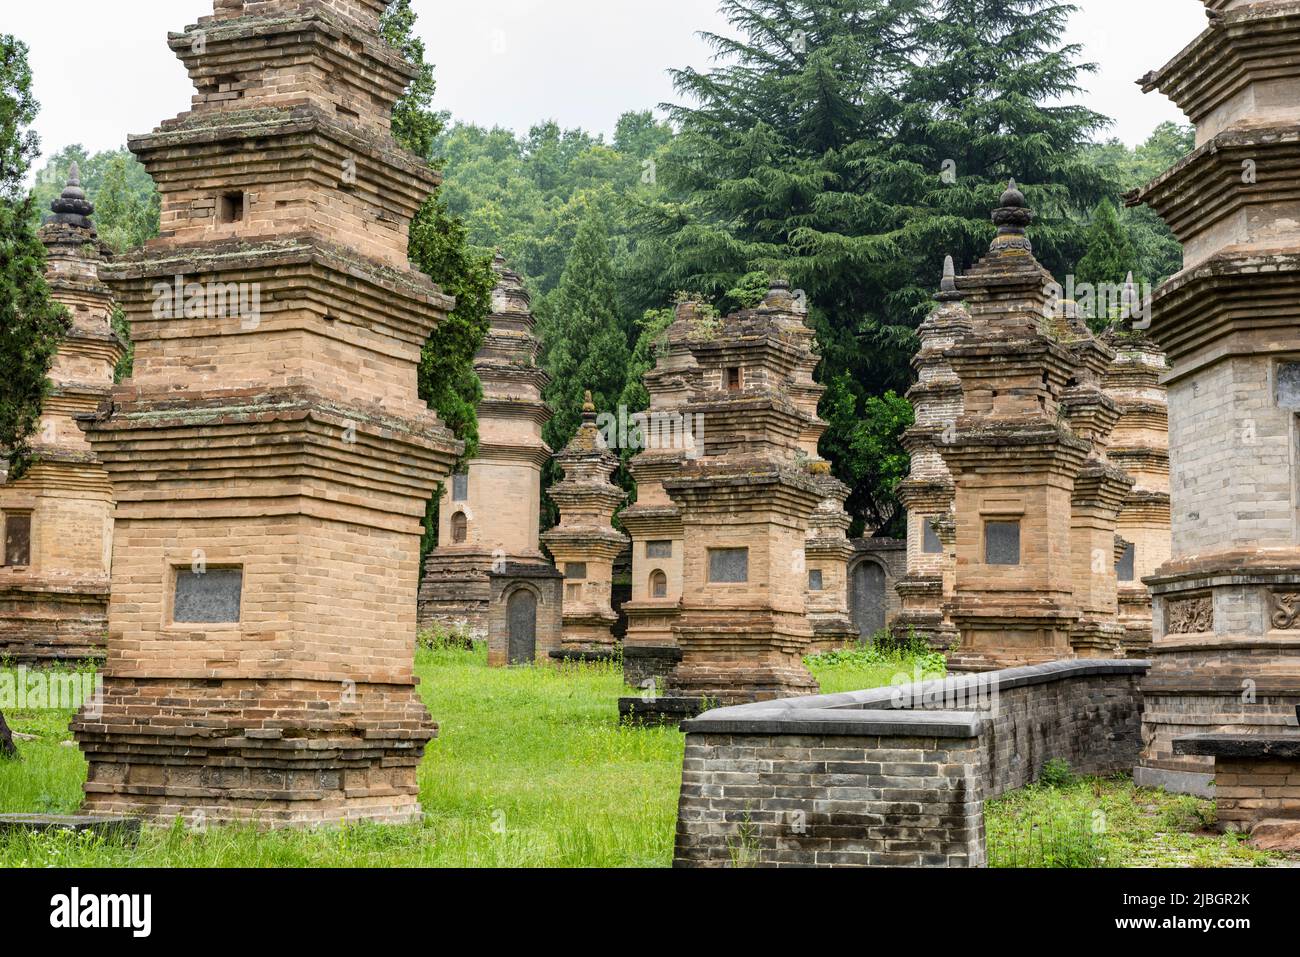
(31, 323)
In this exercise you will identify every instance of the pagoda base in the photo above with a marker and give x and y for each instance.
(922, 616)
(643, 664)
(650, 651)
(1227, 660)
(278, 753)
(741, 658)
(50, 624)
(454, 595)
(831, 632)
(1135, 618)
(1216, 688)
(584, 634)
(1092, 638)
(1008, 637)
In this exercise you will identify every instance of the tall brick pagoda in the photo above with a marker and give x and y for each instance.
(1227, 603)
(1100, 491)
(1014, 460)
(490, 514)
(927, 493)
(654, 521)
(745, 507)
(827, 549)
(270, 456)
(1140, 446)
(585, 543)
(58, 518)
(827, 553)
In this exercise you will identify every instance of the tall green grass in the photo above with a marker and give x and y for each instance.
(532, 769)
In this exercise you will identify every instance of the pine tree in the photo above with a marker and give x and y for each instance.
(584, 344)
(846, 144)
(1109, 257)
(31, 323)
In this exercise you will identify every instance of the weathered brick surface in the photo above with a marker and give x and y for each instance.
(851, 780)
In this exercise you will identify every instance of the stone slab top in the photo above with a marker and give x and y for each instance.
(915, 710)
(1267, 747)
(10, 823)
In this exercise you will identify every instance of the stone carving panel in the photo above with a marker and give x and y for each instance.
(1190, 616)
(1284, 610)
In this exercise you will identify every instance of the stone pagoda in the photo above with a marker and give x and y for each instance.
(827, 549)
(1100, 491)
(654, 521)
(1140, 446)
(584, 543)
(927, 493)
(490, 513)
(1014, 460)
(745, 506)
(1227, 603)
(271, 458)
(827, 553)
(58, 518)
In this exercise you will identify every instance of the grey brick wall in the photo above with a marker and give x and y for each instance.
(894, 777)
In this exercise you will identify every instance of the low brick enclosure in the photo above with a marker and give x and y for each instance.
(1257, 784)
(894, 777)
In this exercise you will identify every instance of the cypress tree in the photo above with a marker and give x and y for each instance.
(584, 344)
(32, 324)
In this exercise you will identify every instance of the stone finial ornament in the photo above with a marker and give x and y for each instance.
(71, 207)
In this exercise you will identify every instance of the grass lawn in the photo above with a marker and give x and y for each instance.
(531, 768)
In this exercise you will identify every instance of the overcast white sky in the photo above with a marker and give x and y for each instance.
(103, 69)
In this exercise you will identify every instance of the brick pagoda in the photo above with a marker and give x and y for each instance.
(654, 521)
(745, 507)
(58, 518)
(927, 493)
(1100, 490)
(584, 543)
(270, 456)
(1140, 446)
(490, 514)
(1227, 603)
(1014, 460)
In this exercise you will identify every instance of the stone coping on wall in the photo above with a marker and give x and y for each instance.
(1265, 747)
(876, 712)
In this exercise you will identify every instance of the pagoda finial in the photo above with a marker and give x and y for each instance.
(948, 291)
(72, 208)
(1011, 217)
(1129, 300)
